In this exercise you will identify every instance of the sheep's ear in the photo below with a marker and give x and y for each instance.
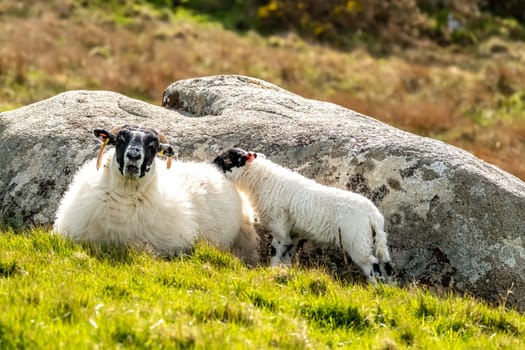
(106, 138)
(166, 150)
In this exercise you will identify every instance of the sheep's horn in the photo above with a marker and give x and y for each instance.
(101, 152)
(116, 129)
(164, 139)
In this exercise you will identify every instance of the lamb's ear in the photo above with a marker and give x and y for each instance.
(219, 161)
(106, 138)
(166, 150)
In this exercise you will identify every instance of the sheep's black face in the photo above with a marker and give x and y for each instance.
(135, 149)
(234, 158)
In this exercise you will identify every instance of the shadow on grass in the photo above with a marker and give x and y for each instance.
(8, 269)
(331, 316)
(111, 253)
(122, 254)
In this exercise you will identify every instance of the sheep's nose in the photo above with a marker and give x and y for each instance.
(133, 154)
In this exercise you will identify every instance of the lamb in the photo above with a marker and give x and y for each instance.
(295, 208)
(138, 199)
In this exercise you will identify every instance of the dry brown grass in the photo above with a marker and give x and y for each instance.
(471, 100)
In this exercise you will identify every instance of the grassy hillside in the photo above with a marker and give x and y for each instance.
(54, 294)
(472, 97)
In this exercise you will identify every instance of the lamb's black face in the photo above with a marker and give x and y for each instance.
(234, 158)
(135, 149)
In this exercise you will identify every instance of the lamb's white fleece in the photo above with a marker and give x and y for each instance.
(294, 207)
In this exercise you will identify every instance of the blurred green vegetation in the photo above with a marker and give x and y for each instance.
(344, 23)
(347, 23)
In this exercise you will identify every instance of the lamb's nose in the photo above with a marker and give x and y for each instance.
(133, 154)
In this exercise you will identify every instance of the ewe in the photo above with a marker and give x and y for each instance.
(293, 208)
(137, 199)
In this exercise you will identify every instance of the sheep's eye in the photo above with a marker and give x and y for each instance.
(121, 139)
(152, 145)
(227, 161)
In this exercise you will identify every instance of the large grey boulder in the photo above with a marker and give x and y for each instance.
(453, 220)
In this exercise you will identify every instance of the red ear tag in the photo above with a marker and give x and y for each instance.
(250, 157)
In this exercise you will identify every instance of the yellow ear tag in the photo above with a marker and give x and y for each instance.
(101, 152)
(168, 160)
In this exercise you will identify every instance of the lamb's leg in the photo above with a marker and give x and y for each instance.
(282, 252)
(283, 247)
(388, 272)
(359, 247)
(369, 269)
(287, 251)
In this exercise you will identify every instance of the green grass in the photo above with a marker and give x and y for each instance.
(56, 294)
